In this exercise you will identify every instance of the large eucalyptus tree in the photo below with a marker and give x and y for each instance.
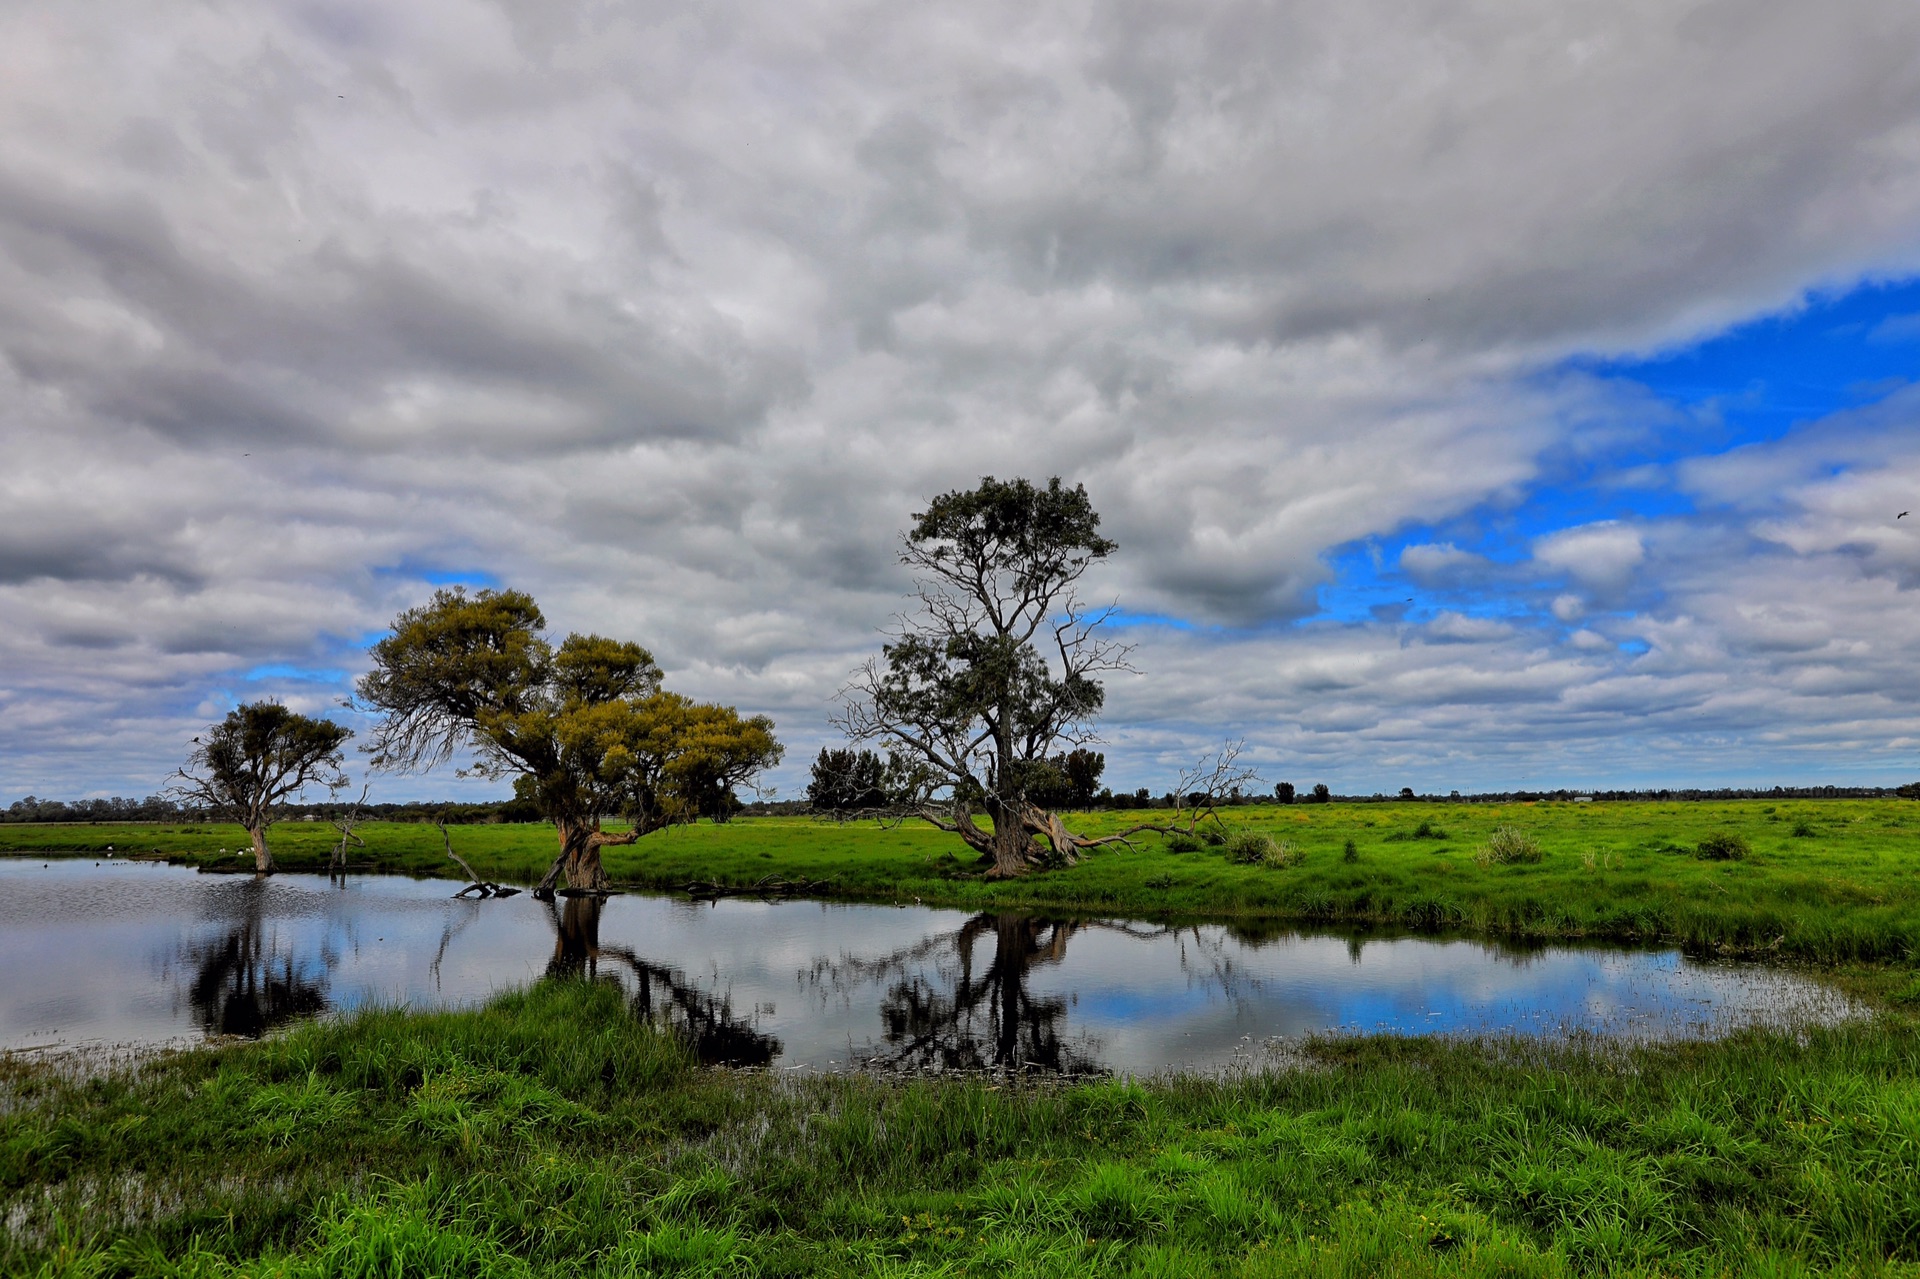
(586, 723)
(998, 669)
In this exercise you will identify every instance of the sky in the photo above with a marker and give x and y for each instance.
(1482, 395)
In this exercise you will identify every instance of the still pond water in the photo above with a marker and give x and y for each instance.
(122, 952)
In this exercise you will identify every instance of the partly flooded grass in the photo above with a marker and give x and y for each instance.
(1821, 881)
(551, 1133)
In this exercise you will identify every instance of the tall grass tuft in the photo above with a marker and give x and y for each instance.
(1255, 848)
(1722, 848)
(1508, 845)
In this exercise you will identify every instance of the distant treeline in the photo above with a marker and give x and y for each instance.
(159, 808)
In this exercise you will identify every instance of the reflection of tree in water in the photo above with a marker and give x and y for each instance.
(980, 1014)
(245, 981)
(952, 1005)
(705, 1020)
(988, 1019)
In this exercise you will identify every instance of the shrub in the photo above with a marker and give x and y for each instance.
(1213, 838)
(1284, 854)
(1252, 848)
(1351, 853)
(1248, 847)
(1722, 848)
(1182, 843)
(1425, 830)
(1803, 831)
(1506, 846)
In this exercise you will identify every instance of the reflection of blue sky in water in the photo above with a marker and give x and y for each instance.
(110, 954)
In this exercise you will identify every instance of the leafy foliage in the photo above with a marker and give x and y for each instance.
(250, 763)
(847, 781)
(999, 669)
(585, 727)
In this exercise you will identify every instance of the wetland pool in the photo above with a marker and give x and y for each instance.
(141, 953)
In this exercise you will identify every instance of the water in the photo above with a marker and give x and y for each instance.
(121, 952)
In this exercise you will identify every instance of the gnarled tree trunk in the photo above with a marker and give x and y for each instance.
(262, 855)
(579, 859)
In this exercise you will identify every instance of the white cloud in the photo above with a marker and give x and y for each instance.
(1604, 554)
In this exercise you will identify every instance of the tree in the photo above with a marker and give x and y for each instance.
(997, 671)
(248, 765)
(1082, 768)
(1321, 794)
(1283, 792)
(847, 781)
(584, 728)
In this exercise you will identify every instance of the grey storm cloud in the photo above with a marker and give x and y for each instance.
(673, 314)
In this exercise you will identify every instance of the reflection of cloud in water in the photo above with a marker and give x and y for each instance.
(805, 983)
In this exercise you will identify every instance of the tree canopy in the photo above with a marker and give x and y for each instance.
(585, 727)
(997, 672)
(250, 763)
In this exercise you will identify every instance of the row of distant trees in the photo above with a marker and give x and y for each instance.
(849, 781)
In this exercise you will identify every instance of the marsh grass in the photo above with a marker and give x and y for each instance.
(1508, 846)
(1257, 848)
(550, 1133)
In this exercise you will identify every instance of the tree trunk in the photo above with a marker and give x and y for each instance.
(579, 859)
(262, 856)
(1012, 847)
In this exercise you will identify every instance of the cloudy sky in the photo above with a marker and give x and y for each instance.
(1482, 394)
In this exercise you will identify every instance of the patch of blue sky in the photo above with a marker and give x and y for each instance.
(300, 674)
(1758, 380)
(440, 576)
(1124, 618)
(1753, 383)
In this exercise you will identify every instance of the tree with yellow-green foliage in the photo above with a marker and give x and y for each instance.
(585, 726)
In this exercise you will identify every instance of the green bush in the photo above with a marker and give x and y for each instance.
(1803, 831)
(1508, 845)
(1252, 848)
(1722, 848)
(1351, 853)
(1182, 843)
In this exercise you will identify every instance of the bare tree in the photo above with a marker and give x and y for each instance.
(248, 765)
(337, 863)
(997, 671)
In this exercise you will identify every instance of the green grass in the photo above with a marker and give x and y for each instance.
(1629, 872)
(550, 1133)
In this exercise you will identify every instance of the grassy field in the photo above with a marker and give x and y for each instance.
(1824, 882)
(550, 1133)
